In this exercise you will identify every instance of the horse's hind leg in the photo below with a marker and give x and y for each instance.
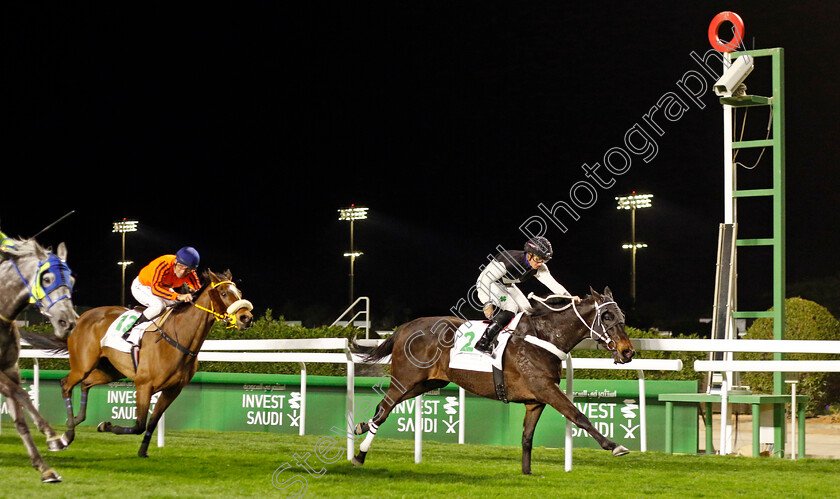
(396, 394)
(166, 398)
(532, 415)
(144, 397)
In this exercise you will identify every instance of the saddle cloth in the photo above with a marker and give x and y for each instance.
(463, 354)
(114, 335)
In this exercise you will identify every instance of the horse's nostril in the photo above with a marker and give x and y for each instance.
(628, 354)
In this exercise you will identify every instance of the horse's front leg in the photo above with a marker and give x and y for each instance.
(557, 399)
(532, 416)
(143, 401)
(17, 399)
(95, 377)
(166, 398)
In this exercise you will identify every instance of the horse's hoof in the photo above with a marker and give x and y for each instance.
(620, 450)
(56, 444)
(142, 454)
(361, 428)
(66, 440)
(358, 460)
(50, 476)
(103, 426)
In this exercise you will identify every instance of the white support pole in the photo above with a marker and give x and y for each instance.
(642, 411)
(302, 419)
(724, 420)
(36, 385)
(462, 413)
(418, 428)
(351, 404)
(161, 430)
(570, 394)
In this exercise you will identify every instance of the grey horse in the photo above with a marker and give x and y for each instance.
(30, 273)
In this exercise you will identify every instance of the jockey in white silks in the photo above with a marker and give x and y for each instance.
(497, 291)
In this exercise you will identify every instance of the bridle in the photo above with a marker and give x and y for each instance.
(38, 292)
(228, 317)
(598, 321)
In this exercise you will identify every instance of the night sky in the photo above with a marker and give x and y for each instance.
(241, 128)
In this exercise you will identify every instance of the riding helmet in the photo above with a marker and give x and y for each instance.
(540, 247)
(188, 256)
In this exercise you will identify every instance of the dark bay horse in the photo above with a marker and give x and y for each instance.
(165, 366)
(420, 349)
(31, 274)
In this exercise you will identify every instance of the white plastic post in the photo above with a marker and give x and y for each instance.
(462, 413)
(418, 428)
(642, 410)
(302, 419)
(570, 394)
(161, 430)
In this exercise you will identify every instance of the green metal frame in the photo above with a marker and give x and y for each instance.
(777, 192)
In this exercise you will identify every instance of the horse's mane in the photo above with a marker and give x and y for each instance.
(24, 247)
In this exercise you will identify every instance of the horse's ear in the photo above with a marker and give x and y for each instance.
(594, 293)
(607, 292)
(62, 252)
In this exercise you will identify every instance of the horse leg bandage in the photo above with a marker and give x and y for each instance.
(365, 445)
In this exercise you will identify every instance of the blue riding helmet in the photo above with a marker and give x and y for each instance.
(188, 256)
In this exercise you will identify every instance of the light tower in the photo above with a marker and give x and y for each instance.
(122, 227)
(352, 214)
(632, 203)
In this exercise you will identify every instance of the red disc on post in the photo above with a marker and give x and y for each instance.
(714, 27)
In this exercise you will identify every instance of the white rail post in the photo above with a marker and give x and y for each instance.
(161, 430)
(302, 429)
(351, 399)
(642, 410)
(462, 413)
(570, 394)
(418, 428)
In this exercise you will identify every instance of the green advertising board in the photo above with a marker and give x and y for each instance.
(273, 403)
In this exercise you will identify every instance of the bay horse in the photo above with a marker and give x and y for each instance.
(30, 273)
(165, 366)
(420, 352)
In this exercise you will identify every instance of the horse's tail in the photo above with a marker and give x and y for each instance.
(50, 343)
(374, 353)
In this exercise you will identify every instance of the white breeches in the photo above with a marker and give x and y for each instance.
(508, 298)
(155, 305)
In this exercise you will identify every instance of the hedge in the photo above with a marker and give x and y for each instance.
(804, 320)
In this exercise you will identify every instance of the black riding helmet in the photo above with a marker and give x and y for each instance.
(540, 247)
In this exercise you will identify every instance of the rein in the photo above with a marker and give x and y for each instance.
(593, 334)
(227, 317)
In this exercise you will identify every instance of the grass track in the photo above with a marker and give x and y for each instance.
(233, 464)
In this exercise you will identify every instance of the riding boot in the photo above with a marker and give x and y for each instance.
(135, 356)
(129, 326)
(501, 320)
